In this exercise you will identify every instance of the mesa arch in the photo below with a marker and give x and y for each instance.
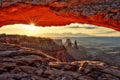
(104, 13)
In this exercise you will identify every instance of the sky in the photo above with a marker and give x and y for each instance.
(70, 30)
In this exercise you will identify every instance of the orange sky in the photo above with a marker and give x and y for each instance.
(75, 28)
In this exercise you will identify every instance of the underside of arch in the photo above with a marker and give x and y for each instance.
(104, 13)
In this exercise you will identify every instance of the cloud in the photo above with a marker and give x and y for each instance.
(85, 26)
(68, 30)
(88, 27)
(63, 35)
(74, 27)
(108, 32)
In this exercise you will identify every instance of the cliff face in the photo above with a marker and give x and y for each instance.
(61, 12)
(45, 45)
(62, 55)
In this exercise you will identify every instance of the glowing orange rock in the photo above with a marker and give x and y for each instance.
(44, 16)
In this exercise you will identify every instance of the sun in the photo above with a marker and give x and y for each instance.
(32, 26)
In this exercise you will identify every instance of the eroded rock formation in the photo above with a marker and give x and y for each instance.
(45, 45)
(75, 45)
(76, 52)
(20, 63)
(68, 43)
(61, 12)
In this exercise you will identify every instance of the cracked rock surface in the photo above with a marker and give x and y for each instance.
(20, 63)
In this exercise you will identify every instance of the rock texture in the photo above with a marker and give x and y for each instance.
(76, 52)
(20, 63)
(61, 12)
(46, 45)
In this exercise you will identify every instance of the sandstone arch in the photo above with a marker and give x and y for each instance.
(61, 12)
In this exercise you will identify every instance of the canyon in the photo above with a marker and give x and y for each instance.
(67, 51)
(36, 58)
(104, 13)
(21, 63)
(51, 47)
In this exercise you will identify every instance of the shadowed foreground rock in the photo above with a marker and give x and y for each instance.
(20, 63)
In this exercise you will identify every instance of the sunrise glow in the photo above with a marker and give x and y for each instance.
(32, 27)
(32, 24)
(53, 31)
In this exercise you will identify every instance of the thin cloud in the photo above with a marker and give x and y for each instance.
(88, 27)
(74, 27)
(108, 32)
(84, 26)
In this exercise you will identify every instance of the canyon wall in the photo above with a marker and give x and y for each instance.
(45, 45)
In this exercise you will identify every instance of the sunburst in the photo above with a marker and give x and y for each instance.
(32, 20)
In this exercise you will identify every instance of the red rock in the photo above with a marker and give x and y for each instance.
(88, 70)
(112, 71)
(102, 13)
(85, 78)
(43, 45)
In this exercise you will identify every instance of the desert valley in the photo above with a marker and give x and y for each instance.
(37, 58)
(59, 39)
